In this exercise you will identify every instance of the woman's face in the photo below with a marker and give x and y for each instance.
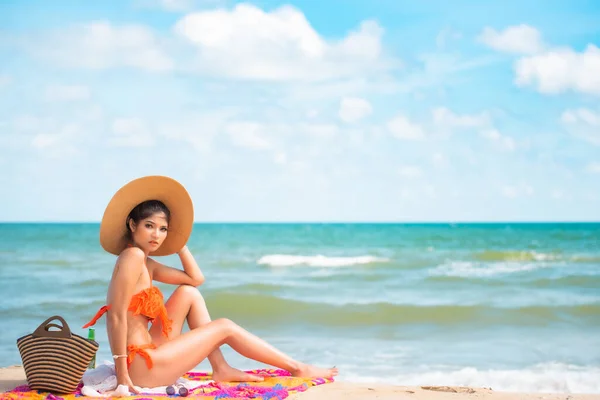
(150, 233)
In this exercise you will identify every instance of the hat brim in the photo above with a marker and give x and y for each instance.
(113, 230)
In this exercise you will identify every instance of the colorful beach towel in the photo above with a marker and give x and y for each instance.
(278, 384)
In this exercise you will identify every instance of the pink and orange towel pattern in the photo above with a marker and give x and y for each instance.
(278, 384)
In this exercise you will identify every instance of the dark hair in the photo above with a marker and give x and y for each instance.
(144, 210)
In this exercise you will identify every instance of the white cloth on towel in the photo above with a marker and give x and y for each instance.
(102, 382)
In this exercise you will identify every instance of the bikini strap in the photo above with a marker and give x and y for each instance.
(132, 350)
(100, 312)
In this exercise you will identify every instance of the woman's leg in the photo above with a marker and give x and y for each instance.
(186, 302)
(175, 357)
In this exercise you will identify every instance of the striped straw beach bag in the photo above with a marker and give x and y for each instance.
(55, 360)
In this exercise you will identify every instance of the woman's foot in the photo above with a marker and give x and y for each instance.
(230, 374)
(310, 371)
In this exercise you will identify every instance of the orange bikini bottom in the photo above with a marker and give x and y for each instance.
(132, 350)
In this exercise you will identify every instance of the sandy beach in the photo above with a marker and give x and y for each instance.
(13, 376)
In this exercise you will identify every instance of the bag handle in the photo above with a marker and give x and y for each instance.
(42, 330)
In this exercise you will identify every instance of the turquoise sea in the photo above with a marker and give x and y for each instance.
(509, 306)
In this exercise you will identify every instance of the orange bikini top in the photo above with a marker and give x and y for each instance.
(147, 302)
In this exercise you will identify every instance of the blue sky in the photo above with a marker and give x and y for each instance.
(304, 111)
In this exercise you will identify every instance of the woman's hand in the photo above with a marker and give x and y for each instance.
(191, 274)
(126, 381)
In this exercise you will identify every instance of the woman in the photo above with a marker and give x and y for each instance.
(154, 216)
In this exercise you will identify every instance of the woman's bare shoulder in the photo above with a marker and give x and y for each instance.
(132, 259)
(132, 253)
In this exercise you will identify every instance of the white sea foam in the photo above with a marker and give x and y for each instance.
(473, 269)
(546, 377)
(545, 256)
(559, 257)
(541, 256)
(286, 260)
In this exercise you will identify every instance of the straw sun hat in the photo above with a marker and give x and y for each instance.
(113, 229)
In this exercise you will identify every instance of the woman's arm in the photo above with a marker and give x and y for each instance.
(127, 272)
(191, 274)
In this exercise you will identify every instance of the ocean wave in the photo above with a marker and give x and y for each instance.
(94, 282)
(33, 308)
(286, 260)
(580, 281)
(270, 288)
(559, 282)
(585, 258)
(550, 377)
(472, 269)
(507, 255)
(261, 308)
(532, 256)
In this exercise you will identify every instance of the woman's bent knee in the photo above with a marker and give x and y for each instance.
(189, 291)
(226, 325)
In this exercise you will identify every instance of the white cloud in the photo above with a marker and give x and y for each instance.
(445, 118)
(550, 70)
(561, 69)
(54, 134)
(444, 121)
(197, 129)
(402, 127)
(177, 5)
(583, 123)
(439, 160)
(58, 140)
(312, 113)
(520, 39)
(509, 191)
(248, 134)
(320, 130)
(242, 42)
(100, 45)
(280, 158)
(416, 194)
(5, 80)
(504, 142)
(280, 45)
(26, 123)
(67, 92)
(353, 109)
(561, 194)
(131, 132)
(593, 167)
(441, 69)
(410, 171)
(446, 35)
(45, 140)
(514, 191)
(584, 115)
(429, 190)
(321, 92)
